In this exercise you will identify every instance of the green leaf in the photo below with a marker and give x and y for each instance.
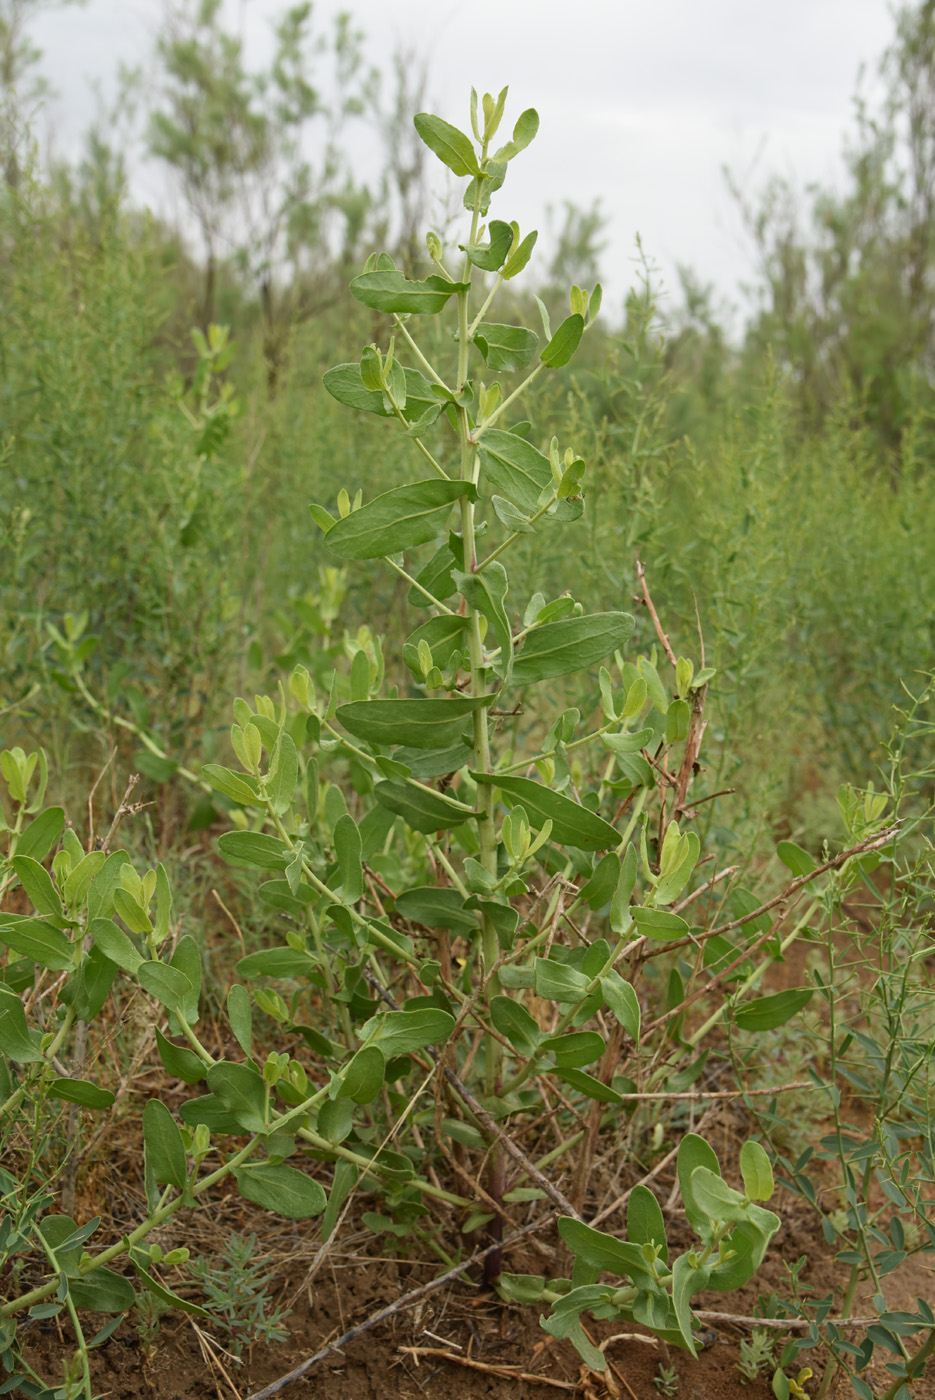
(42, 833)
(37, 882)
(520, 258)
(693, 1153)
(282, 1189)
(240, 1016)
(670, 885)
(588, 1085)
(335, 1120)
(100, 901)
(393, 292)
(564, 342)
(82, 1092)
(102, 1291)
(44, 944)
(678, 721)
(795, 859)
(210, 1110)
(344, 383)
(686, 1281)
(239, 787)
(574, 1049)
(658, 923)
(757, 1172)
(396, 520)
(516, 1024)
(571, 645)
(165, 1295)
(423, 811)
(254, 848)
(166, 984)
(79, 881)
(444, 635)
(187, 960)
(347, 846)
(283, 775)
(506, 348)
(527, 124)
(65, 1239)
(115, 945)
(17, 1042)
(513, 468)
(491, 256)
(89, 986)
(164, 1151)
(605, 1252)
(243, 1093)
(645, 1224)
(485, 593)
(163, 904)
(402, 1032)
(276, 962)
(572, 824)
(179, 1061)
(742, 903)
(133, 914)
(766, 1013)
(623, 1002)
(363, 1077)
(451, 146)
(511, 516)
(599, 889)
(421, 724)
(436, 907)
(712, 1195)
(557, 981)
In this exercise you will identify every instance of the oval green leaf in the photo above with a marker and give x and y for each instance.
(417, 724)
(396, 520)
(572, 824)
(282, 1189)
(573, 644)
(766, 1013)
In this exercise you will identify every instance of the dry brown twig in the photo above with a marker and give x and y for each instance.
(96, 784)
(506, 1372)
(650, 608)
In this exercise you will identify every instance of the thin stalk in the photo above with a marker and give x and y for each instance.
(414, 583)
(516, 535)
(436, 466)
(504, 405)
(750, 981)
(429, 369)
(139, 733)
(486, 303)
(72, 1313)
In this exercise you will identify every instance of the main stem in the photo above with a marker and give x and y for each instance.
(485, 825)
(486, 833)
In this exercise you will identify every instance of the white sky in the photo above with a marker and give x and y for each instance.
(642, 102)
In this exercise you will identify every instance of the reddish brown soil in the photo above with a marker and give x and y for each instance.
(462, 1319)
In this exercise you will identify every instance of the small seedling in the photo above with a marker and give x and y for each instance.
(236, 1285)
(756, 1354)
(666, 1380)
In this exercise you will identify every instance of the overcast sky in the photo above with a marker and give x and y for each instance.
(642, 102)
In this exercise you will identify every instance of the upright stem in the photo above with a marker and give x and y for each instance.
(486, 831)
